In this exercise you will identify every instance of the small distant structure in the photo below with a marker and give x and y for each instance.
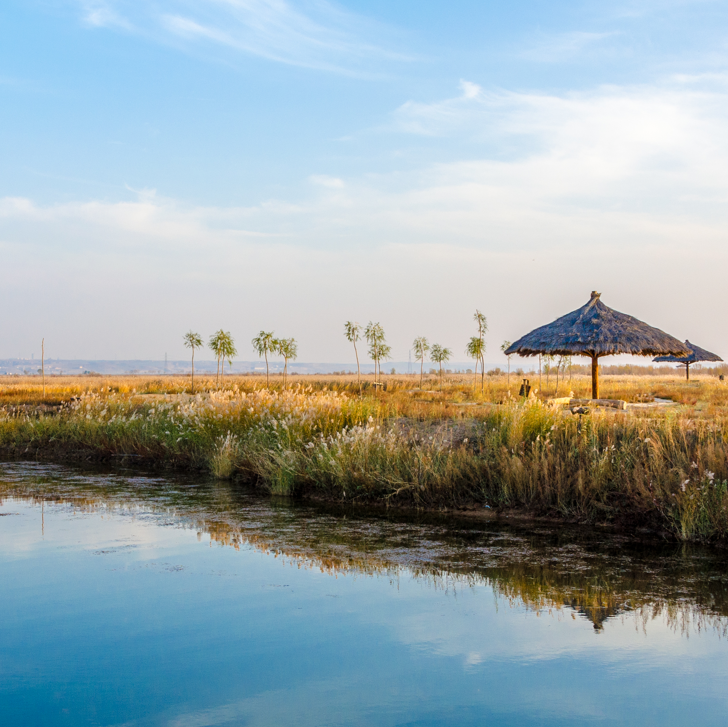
(696, 354)
(595, 330)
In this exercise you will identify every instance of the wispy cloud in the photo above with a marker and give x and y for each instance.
(439, 118)
(562, 46)
(102, 14)
(310, 33)
(323, 180)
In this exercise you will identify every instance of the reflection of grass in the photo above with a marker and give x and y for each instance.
(597, 576)
(666, 469)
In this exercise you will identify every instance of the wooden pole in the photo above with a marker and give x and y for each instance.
(687, 371)
(42, 363)
(595, 377)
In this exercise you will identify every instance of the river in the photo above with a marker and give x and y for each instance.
(135, 600)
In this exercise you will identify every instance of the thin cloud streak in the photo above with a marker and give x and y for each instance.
(562, 47)
(316, 35)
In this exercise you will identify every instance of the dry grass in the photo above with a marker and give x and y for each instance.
(402, 393)
(448, 447)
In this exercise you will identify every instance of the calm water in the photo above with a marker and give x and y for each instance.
(129, 600)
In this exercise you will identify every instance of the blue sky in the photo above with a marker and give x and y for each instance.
(289, 165)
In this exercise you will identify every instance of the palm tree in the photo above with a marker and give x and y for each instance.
(482, 322)
(439, 354)
(288, 348)
(378, 349)
(216, 345)
(352, 331)
(474, 349)
(383, 353)
(227, 350)
(421, 348)
(265, 343)
(193, 340)
(504, 347)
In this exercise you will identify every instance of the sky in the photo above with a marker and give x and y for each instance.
(168, 165)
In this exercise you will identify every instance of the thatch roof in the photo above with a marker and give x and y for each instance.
(696, 354)
(596, 330)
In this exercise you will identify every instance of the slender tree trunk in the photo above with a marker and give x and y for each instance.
(42, 363)
(193, 370)
(540, 384)
(266, 368)
(687, 375)
(558, 366)
(358, 372)
(595, 377)
(440, 375)
(285, 372)
(482, 374)
(422, 367)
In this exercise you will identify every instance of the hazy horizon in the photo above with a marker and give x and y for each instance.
(289, 166)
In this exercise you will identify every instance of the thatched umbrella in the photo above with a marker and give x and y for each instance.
(696, 354)
(595, 330)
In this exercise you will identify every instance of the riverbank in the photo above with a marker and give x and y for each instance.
(666, 471)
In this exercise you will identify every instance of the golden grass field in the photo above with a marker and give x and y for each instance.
(706, 393)
(448, 445)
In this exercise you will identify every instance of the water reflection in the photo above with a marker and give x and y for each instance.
(596, 574)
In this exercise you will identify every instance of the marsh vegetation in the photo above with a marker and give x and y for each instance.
(453, 446)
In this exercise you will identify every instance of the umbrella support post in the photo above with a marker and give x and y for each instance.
(595, 377)
(687, 372)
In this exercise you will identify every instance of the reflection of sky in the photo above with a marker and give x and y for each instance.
(179, 632)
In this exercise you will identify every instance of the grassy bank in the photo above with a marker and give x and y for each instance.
(450, 448)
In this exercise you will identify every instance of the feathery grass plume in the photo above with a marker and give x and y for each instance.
(224, 456)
